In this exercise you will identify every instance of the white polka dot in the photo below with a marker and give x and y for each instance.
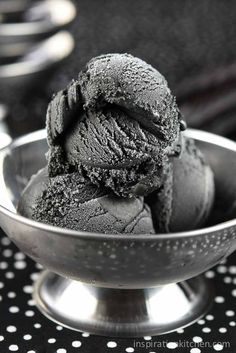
(7, 253)
(29, 313)
(180, 330)
(38, 266)
(28, 289)
(13, 348)
(59, 328)
(233, 292)
(3, 265)
(210, 274)
(31, 302)
(172, 345)
(111, 344)
(232, 323)
(229, 313)
(11, 329)
(222, 329)
(221, 269)
(206, 330)
(1, 285)
(195, 350)
(5, 241)
(218, 347)
(129, 349)
(37, 325)
(232, 270)
(34, 276)
(1, 338)
(227, 279)
(20, 265)
(219, 299)
(14, 309)
(61, 350)
(76, 344)
(31, 352)
(197, 339)
(201, 322)
(147, 338)
(27, 337)
(85, 334)
(51, 340)
(19, 256)
(9, 275)
(210, 317)
(11, 295)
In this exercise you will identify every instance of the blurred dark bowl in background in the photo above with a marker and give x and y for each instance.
(191, 42)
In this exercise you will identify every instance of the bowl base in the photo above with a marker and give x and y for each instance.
(122, 312)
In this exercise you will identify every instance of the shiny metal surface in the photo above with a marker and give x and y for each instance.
(129, 261)
(121, 262)
(13, 6)
(33, 41)
(3, 112)
(10, 10)
(5, 138)
(12, 51)
(39, 59)
(122, 312)
(39, 19)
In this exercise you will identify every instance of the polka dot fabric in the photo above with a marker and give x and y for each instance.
(24, 329)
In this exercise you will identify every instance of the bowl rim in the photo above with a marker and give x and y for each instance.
(28, 66)
(14, 6)
(42, 26)
(192, 133)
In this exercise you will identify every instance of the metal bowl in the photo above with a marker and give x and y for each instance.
(40, 19)
(5, 138)
(119, 285)
(39, 59)
(13, 6)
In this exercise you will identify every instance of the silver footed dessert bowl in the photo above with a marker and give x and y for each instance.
(136, 280)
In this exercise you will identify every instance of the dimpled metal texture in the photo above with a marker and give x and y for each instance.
(116, 261)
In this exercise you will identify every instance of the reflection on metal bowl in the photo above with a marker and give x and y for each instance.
(119, 285)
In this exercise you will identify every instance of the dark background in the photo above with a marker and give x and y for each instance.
(193, 43)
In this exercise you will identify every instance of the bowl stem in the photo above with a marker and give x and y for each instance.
(122, 312)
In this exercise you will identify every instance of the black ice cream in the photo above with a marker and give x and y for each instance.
(70, 201)
(116, 146)
(117, 124)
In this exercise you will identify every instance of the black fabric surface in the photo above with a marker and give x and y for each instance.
(18, 273)
(181, 38)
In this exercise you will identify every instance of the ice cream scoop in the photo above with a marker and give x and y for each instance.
(70, 201)
(118, 161)
(117, 124)
(186, 198)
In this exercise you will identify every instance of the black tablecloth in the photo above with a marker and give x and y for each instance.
(24, 329)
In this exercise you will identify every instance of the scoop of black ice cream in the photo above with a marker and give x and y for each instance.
(69, 201)
(117, 124)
